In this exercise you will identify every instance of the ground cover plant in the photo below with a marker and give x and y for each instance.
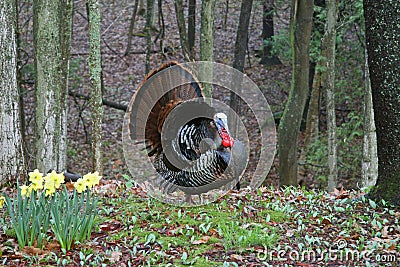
(266, 227)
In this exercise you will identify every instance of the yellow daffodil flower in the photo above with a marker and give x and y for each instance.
(96, 178)
(50, 191)
(2, 201)
(36, 176)
(92, 179)
(37, 185)
(54, 179)
(49, 184)
(80, 185)
(25, 190)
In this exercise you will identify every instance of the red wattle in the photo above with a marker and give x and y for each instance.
(227, 141)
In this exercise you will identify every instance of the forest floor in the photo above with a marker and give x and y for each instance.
(267, 227)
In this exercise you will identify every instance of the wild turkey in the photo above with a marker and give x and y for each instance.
(189, 142)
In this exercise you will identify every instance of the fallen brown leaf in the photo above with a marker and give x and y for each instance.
(115, 256)
(326, 221)
(236, 257)
(203, 240)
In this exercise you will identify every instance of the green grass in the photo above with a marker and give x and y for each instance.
(152, 223)
(246, 236)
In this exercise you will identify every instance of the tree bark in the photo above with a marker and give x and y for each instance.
(191, 26)
(317, 77)
(66, 10)
(149, 15)
(369, 170)
(142, 8)
(180, 19)
(95, 83)
(242, 35)
(131, 28)
(207, 41)
(20, 81)
(267, 34)
(50, 139)
(240, 55)
(300, 32)
(161, 24)
(382, 20)
(12, 165)
(226, 14)
(330, 93)
(312, 118)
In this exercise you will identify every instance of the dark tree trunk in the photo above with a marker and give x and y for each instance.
(180, 19)
(191, 26)
(242, 34)
(240, 49)
(131, 28)
(149, 22)
(382, 20)
(289, 126)
(267, 34)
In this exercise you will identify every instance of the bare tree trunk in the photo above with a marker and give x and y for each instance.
(238, 63)
(317, 77)
(240, 54)
(369, 168)
(50, 142)
(161, 24)
(242, 35)
(12, 165)
(207, 40)
(95, 83)
(267, 34)
(149, 14)
(191, 26)
(154, 16)
(131, 28)
(19, 82)
(312, 120)
(330, 93)
(300, 32)
(142, 8)
(226, 13)
(66, 9)
(180, 19)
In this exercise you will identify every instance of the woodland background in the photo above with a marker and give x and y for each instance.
(122, 73)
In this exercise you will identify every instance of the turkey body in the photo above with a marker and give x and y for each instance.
(188, 141)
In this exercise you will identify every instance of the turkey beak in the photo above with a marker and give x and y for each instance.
(222, 127)
(222, 123)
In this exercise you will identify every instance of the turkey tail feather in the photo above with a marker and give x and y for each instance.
(155, 97)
